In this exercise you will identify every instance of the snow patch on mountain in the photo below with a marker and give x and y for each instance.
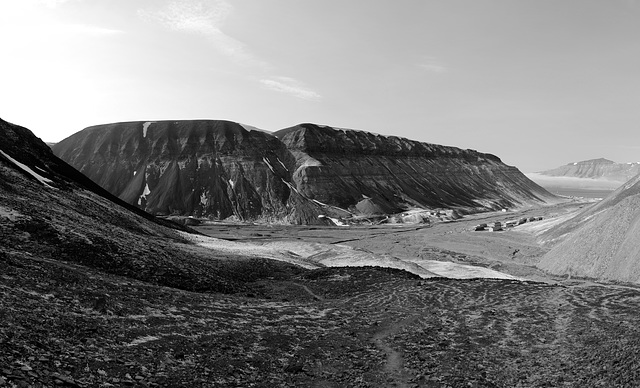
(28, 170)
(144, 194)
(145, 128)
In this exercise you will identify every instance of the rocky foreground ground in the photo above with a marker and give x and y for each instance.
(62, 324)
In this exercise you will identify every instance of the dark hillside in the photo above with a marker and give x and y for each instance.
(199, 167)
(50, 211)
(220, 169)
(342, 166)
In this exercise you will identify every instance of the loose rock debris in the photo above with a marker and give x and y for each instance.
(377, 328)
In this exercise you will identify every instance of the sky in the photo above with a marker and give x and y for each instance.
(539, 83)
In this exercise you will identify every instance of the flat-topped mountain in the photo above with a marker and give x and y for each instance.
(200, 167)
(345, 167)
(597, 169)
(221, 169)
(602, 241)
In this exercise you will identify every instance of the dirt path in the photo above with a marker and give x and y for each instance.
(397, 376)
(308, 291)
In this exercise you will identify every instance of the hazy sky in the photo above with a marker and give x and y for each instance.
(539, 83)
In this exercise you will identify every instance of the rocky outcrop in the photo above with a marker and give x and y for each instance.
(602, 241)
(349, 168)
(221, 169)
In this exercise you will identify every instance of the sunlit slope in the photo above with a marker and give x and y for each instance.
(596, 169)
(602, 242)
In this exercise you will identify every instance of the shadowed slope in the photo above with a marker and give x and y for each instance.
(339, 167)
(220, 169)
(49, 211)
(31, 151)
(198, 167)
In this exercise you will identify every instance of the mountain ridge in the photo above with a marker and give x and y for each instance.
(398, 170)
(219, 169)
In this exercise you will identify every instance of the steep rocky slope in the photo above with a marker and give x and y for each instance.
(351, 168)
(195, 167)
(220, 169)
(602, 241)
(51, 212)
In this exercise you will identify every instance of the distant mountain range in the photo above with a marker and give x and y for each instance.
(599, 173)
(305, 174)
(597, 169)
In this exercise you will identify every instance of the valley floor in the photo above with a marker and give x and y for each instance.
(514, 251)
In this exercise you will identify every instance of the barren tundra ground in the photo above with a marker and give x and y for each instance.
(65, 324)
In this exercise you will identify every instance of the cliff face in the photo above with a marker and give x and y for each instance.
(201, 167)
(346, 167)
(602, 241)
(597, 169)
(220, 169)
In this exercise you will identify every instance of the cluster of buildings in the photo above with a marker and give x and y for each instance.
(498, 226)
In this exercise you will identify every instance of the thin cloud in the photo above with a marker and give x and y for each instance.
(11, 7)
(90, 30)
(50, 3)
(32, 20)
(290, 86)
(432, 65)
(204, 18)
